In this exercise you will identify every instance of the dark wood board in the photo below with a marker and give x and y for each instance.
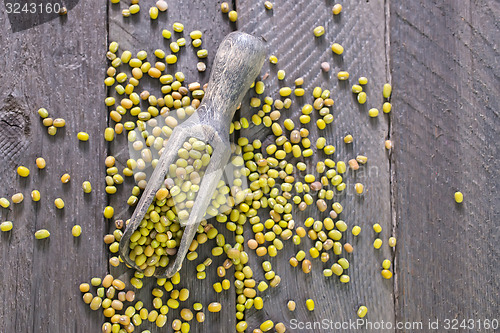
(136, 33)
(444, 124)
(444, 61)
(360, 28)
(56, 65)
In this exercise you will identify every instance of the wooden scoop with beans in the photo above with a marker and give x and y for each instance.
(237, 63)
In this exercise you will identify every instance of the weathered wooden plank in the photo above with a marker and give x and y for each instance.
(57, 65)
(446, 125)
(288, 29)
(139, 32)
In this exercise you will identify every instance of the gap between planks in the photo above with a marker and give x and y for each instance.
(392, 176)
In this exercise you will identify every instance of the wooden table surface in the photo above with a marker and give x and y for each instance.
(442, 59)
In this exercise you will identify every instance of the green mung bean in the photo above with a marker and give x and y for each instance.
(337, 8)
(319, 31)
(337, 48)
(6, 226)
(233, 16)
(42, 233)
(387, 90)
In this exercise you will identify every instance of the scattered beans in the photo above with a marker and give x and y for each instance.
(362, 311)
(337, 48)
(35, 195)
(319, 31)
(306, 266)
(386, 274)
(17, 198)
(233, 16)
(40, 163)
(83, 136)
(42, 234)
(23, 171)
(310, 304)
(337, 8)
(6, 226)
(162, 5)
(76, 231)
(275, 181)
(342, 75)
(387, 90)
(65, 178)
(59, 203)
(214, 307)
(373, 112)
(224, 7)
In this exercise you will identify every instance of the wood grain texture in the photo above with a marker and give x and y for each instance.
(137, 33)
(57, 66)
(360, 28)
(446, 127)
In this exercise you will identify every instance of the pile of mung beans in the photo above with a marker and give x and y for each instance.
(270, 182)
(279, 178)
(160, 232)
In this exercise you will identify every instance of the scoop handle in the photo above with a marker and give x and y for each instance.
(237, 63)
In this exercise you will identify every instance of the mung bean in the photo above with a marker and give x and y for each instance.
(42, 233)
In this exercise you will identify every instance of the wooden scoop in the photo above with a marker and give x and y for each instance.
(237, 63)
